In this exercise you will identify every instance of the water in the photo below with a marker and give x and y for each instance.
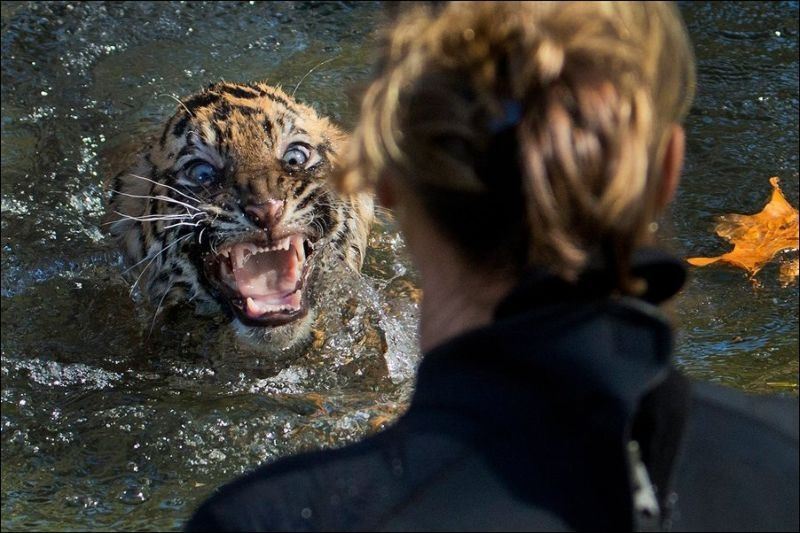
(742, 130)
(105, 428)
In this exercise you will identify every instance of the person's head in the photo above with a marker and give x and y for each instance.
(532, 135)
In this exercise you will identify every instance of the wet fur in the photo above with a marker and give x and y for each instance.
(164, 225)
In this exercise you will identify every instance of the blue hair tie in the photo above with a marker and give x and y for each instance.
(512, 114)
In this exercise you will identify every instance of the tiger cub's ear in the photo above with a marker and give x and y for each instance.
(116, 163)
(359, 221)
(126, 196)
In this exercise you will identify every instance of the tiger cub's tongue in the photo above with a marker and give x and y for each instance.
(267, 277)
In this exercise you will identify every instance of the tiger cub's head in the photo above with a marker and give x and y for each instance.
(230, 207)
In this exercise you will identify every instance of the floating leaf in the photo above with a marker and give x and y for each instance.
(758, 238)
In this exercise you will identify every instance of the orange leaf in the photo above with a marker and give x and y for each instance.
(702, 261)
(758, 238)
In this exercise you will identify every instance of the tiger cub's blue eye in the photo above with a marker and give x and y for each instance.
(202, 173)
(296, 155)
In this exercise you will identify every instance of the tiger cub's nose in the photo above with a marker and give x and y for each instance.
(265, 215)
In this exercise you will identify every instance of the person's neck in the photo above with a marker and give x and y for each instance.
(455, 300)
(457, 296)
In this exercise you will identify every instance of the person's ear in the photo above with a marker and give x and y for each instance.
(672, 165)
(385, 192)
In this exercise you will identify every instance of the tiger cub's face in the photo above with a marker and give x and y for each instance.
(230, 207)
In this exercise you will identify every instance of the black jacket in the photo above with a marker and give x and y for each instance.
(563, 414)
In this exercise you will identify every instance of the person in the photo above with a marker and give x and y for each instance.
(527, 150)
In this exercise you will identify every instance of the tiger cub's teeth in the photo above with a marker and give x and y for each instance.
(283, 244)
(241, 252)
(256, 308)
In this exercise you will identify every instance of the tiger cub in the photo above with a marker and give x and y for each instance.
(230, 209)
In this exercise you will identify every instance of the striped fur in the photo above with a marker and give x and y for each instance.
(164, 221)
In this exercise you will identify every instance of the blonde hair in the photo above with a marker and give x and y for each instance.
(551, 117)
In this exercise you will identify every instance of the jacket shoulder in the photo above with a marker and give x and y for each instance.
(738, 468)
(347, 488)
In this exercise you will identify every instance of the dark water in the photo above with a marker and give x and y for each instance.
(742, 130)
(103, 427)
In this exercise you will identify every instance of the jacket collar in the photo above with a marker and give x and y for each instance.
(663, 274)
(545, 326)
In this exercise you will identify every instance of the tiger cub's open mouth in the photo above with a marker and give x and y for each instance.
(263, 283)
